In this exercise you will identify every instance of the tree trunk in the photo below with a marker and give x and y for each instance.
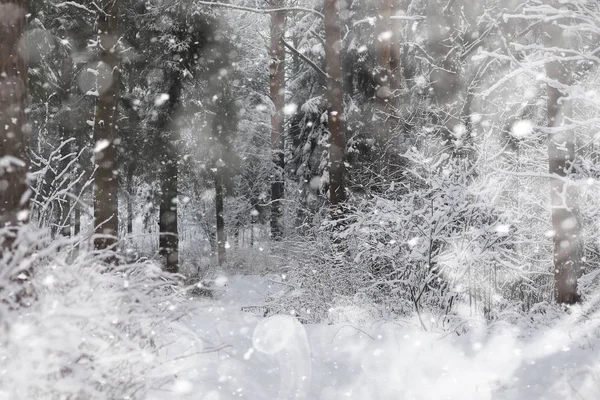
(106, 207)
(383, 45)
(130, 198)
(395, 66)
(383, 92)
(337, 192)
(14, 145)
(78, 186)
(221, 237)
(77, 220)
(445, 78)
(66, 84)
(561, 160)
(168, 224)
(168, 221)
(277, 89)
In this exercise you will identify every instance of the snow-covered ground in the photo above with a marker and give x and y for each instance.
(279, 358)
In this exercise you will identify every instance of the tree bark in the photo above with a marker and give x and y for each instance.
(277, 91)
(561, 163)
(221, 237)
(79, 144)
(383, 93)
(64, 219)
(168, 221)
(106, 207)
(383, 45)
(14, 143)
(445, 75)
(66, 84)
(337, 148)
(130, 198)
(395, 66)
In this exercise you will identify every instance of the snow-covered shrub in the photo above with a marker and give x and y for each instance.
(420, 250)
(83, 329)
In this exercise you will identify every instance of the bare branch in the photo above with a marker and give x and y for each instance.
(306, 59)
(260, 10)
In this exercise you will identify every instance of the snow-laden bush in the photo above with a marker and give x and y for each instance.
(74, 327)
(420, 251)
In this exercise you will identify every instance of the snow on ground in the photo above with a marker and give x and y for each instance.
(278, 358)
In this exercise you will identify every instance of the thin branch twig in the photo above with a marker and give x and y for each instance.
(260, 10)
(306, 59)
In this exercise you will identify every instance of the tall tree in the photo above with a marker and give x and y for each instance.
(169, 134)
(277, 91)
(335, 113)
(561, 162)
(224, 160)
(383, 90)
(442, 23)
(221, 234)
(106, 207)
(395, 72)
(383, 46)
(14, 159)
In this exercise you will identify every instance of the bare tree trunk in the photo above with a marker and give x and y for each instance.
(445, 75)
(337, 192)
(383, 44)
(395, 66)
(77, 220)
(64, 219)
(221, 237)
(277, 89)
(106, 207)
(66, 84)
(168, 228)
(168, 221)
(253, 227)
(383, 93)
(561, 160)
(14, 144)
(78, 145)
(130, 198)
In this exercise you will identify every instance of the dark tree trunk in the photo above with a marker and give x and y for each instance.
(64, 220)
(78, 188)
(383, 90)
(349, 56)
(445, 75)
(168, 227)
(77, 220)
(106, 206)
(14, 145)
(337, 192)
(168, 222)
(66, 83)
(383, 47)
(561, 160)
(277, 89)
(221, 237)
(395, 66)
(130, 198)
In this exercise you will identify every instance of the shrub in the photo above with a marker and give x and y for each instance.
(83, 329)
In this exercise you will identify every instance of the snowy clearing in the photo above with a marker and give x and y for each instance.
(279, 358)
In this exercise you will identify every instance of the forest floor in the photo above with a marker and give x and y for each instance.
(278, 358)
